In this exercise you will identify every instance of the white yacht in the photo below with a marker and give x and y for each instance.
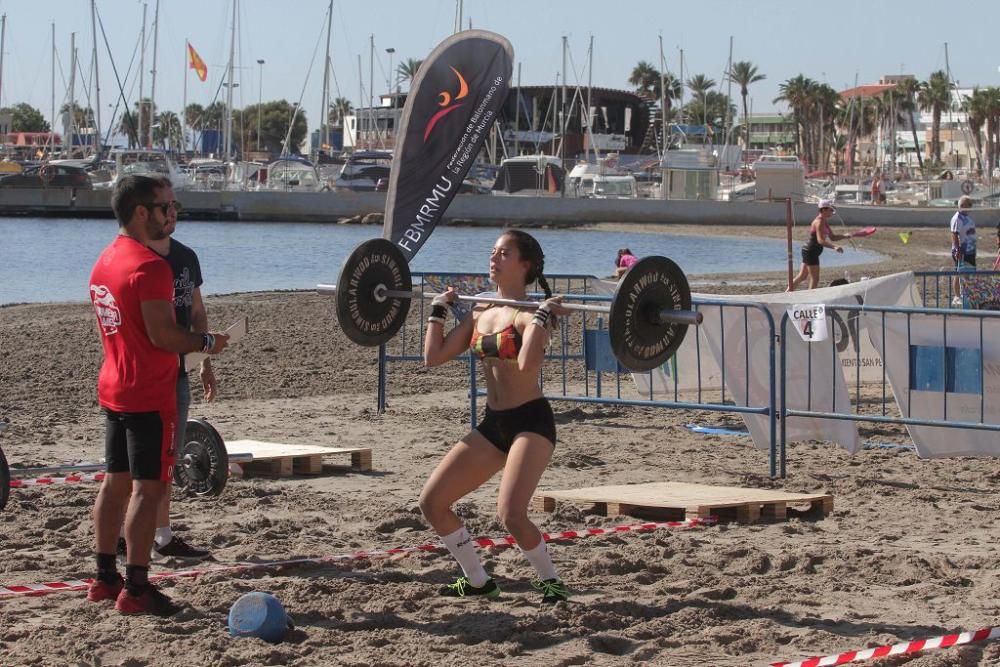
(291, 174)
(146, 162)
(364, 169)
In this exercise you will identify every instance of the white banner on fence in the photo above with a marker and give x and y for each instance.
(949, 380)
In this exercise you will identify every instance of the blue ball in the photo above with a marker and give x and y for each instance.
(258, 615)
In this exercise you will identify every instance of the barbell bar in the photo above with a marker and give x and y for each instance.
(662, 315)
(648, 317)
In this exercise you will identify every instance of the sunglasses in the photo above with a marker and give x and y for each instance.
(164, 207)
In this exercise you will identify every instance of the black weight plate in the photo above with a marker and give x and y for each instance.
(202, 465)
(638, 340)
(365, 319)
(4, 480)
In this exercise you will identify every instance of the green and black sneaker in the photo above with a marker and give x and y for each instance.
(553, 590)
(463, 589)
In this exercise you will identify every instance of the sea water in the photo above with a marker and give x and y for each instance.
(49, 260)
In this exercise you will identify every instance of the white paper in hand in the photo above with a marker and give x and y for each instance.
(236, 331)
(810, 321)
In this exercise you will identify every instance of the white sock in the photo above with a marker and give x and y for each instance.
(541, 560)
(460, 545)
(163, 536)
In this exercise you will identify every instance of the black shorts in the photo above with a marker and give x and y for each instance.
(810, 255)
(501, 427)
(967, 259)
(141, 443)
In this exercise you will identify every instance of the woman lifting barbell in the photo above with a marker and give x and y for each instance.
(517, 433)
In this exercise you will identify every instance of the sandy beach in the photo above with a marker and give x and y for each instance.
(910, 551)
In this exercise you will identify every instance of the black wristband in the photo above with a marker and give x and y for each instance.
(439, 311)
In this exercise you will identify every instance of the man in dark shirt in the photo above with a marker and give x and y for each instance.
(189, 309)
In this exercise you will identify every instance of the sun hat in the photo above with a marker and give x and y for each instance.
(826, 203)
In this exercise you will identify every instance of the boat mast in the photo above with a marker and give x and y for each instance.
(152, 90)
(951, 122)
(729, 99)
(562, 108)
(663, 104)
(517, 114)
(98, 139)
(184, 101)
(228, 137)
(53, 128)
(590, 91)
(141, 134)
(683, 114)
(72, 88)
(361, 104)
(371, 88)
(3, 40)
(324, 113)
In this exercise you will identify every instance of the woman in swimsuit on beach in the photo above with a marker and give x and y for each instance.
(820, 236)
(517, 433)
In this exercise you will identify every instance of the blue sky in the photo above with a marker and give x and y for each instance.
(829, 41)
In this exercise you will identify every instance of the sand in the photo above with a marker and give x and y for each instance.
(910, 550)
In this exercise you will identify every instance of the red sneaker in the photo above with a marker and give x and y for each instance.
(149, 601)
(102, 590)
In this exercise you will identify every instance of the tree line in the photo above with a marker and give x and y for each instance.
(827, 126)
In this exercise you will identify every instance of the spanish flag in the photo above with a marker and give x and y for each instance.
(197, 64)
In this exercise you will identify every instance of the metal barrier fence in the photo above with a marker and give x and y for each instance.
(932, 367)
(579, 366)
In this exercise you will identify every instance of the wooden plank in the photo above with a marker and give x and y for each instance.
(691, 500)
(283, 459)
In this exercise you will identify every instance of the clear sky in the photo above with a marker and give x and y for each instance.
(828, 41)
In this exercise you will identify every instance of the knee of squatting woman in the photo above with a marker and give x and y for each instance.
(517, 433)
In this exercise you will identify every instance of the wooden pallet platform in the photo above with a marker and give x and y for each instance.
(677, 500)
(278, 459)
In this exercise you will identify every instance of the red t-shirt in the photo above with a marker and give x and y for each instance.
(136, 375)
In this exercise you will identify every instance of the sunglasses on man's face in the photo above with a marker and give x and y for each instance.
(164, 207)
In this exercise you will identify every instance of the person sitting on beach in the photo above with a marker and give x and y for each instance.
(132, 291)
(624, 261)
(517, 433)
(820, 236)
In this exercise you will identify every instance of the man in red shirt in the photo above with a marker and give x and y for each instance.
(132, 288)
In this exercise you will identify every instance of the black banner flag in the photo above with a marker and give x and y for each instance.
(451, 107)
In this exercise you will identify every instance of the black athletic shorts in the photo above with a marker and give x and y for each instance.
(141, 443)
(810, 255)
(501, 427)
(968, 259)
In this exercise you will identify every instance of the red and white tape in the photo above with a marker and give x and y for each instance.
(916, 646)
(482, 542)
(49, 481)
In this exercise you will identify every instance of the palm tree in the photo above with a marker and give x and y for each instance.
(645, 78)
(194, 115)
(699, 85)
(908, 89)
(976, 106)
(340, 108)
(795, 92)
(991, 104)
(935, 96)
(167, 130)
(744, 73)
(407, 69)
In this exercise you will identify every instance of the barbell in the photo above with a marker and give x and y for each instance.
(201, 466)
(647, 319)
